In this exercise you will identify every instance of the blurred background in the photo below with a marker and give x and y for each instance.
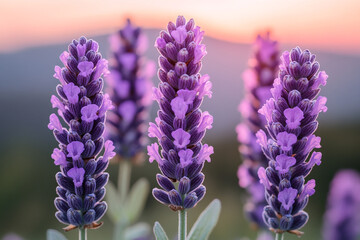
(34, 33)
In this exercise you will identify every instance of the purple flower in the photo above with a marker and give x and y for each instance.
(258, 79)
(89, 113)
(181, 138)
(128, 110)
(77, 175)
(293, 117)
(82, 106)
(283, 163)
(107, 105)
(262, 178)
(72, 92)
(286, 140)
(309, 190)
(204, 154)
(180, 125)
(56, 103)
(205, 86)
(75, 149)
(55, 123)
(291, 122)
(59, 157)
(187, 95)
(153, 151)
(206, 121)
(342, 218)
(109, 151)
(287, 197)
(179, 107)
(186, 157)
(179, 34)
(314, 159)
(129, 86)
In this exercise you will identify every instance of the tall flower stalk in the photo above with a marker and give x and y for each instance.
(180, 125)
(82, 106)
(342, 219)
(129, 87)
(291, 116)
(258, 79)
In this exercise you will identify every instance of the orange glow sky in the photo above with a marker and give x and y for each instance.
(331, 25)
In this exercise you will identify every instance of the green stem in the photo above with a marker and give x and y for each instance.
(279, 236)
(82, 233)
(124, 178)
(182, 224)
(119, 231)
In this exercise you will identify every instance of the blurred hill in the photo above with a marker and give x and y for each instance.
(27, 75)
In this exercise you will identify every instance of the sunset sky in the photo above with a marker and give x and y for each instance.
(330, 25)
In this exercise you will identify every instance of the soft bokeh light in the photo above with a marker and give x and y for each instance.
(324, 24)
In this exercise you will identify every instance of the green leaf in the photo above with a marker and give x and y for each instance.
(206, 222)
(115, 205)
(52, 234)
(139, 230)
(136, 199)
(159, 232)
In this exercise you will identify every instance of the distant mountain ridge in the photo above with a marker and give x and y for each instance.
(26, 78)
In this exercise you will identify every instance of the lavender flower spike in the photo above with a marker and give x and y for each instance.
(130, 90)
(258, 79)
(342, 219)
(180, 125)
(82, 107)
(291, 116)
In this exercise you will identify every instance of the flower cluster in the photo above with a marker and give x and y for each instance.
(82, 106)
(130, 91)
(181, 125)
(342, 219)
(291, 116)
(258, 79)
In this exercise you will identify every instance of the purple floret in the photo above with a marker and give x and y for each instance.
(342, 217)
(258, 79)
(291, 116)
(82, 107)
(180, 125)
(129, 86)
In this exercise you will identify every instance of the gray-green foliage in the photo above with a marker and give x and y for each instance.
(135, 202)
(205, 222)
(202, 227)
(137, 230)
(125, 210)
(159, 232)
